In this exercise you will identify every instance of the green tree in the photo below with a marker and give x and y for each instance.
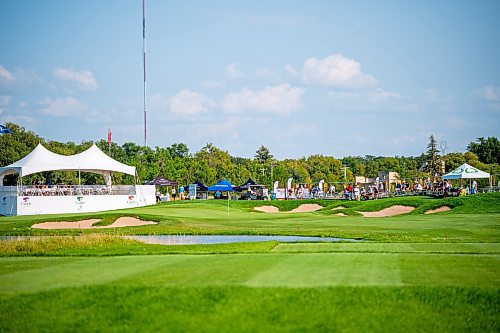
(219, 165)
(487, 150)
(453, 161)
(262, 155)
(433, 161)
(179, 150)
(324, 167)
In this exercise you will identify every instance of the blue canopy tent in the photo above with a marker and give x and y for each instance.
(5, 130)
(223, 186)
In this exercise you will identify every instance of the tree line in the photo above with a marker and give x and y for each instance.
(211, 164)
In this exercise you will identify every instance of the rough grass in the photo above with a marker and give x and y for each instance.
(114, 245)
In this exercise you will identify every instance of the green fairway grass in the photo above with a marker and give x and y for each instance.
(257, 270)
(414, 272)
(108, 308)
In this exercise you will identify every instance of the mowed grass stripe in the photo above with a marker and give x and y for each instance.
(74, 272)
(320, 270)
(262, 270)
(369, 247)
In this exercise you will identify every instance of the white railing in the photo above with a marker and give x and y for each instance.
(66, 190)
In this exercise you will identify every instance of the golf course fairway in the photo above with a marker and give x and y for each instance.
(412, 272)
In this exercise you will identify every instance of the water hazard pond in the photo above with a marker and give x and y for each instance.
(224, 239)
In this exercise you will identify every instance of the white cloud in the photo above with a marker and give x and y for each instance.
(5, 74)
(280, 99)
(233, 72)
(85, 79)
(62, 107)
(4, 102)
(490, 93)
(335, 71)
(379, 95)
(190, 103)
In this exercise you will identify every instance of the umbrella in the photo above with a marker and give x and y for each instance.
(5, 130)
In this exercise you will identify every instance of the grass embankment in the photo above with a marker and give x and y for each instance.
(109, 245)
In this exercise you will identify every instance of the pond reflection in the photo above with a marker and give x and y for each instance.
(223, 239)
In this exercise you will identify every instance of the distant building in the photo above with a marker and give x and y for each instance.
(387, 177)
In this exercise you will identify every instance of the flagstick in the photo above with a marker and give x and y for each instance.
(109, 140)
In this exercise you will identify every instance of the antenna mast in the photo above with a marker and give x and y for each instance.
(144, 69)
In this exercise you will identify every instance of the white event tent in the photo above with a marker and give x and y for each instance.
(91, 160)
(19, 200)
(465, 171)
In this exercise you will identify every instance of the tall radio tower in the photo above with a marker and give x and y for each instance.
(144, 70)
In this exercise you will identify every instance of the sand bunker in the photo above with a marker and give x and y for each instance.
(124, 221)
(305, 208)
(127, 221)
(438, 210)
(267, 209)
(341, 214)
(391, 211)
(83, 224)
(339, 207)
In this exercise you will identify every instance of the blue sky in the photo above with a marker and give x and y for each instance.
(300, 77)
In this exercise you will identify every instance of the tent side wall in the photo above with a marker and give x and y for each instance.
(12, 204)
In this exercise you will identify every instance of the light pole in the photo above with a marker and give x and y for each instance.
(344, 168)
(272, 177)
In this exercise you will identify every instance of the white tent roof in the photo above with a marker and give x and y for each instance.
(91, 160)
(466, 171)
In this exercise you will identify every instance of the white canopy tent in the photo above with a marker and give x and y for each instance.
(465, 171)
(91, 160)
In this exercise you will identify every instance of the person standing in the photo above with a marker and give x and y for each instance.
(474, 187)
(357, 195)
(181, 192)
(158, 194)
(174, 194)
